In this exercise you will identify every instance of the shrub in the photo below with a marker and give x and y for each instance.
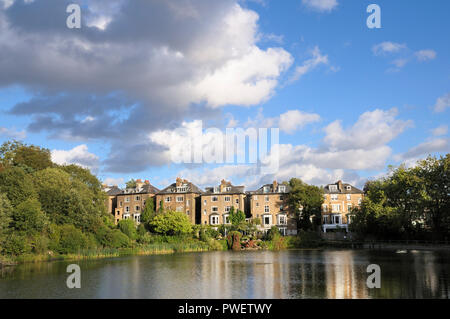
(15, 245)
(128, 227)
(171, 223)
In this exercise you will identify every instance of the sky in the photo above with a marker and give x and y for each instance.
(139, 79)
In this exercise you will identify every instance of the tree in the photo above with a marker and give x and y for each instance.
(16, 153)
(29, 218)
(237, 217)
(17, 185)
(128, 227)
(171, 223)
(131, 183)
(148, 213)
(5, 214)
(306, 201)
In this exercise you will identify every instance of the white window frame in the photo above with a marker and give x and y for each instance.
(264, 220)
(168, 199)
(228, 198)
(215, 199)
(214, 219)
(214, 209)
(280, 217)
(334, 197)
(180, 199)
(266, 209)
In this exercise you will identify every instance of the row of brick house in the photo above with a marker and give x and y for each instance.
(212, 206)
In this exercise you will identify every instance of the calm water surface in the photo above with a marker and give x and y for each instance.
(285, 274)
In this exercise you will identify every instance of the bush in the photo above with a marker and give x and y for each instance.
(15, 245)
(171, 223)
(128, 227)
(28, 217)
(71, 240)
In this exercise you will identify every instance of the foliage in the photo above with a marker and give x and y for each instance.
(171, 223)
(237, 217)
(15, 245)
(234, 240)
(128, 227)
(148, 213)
(30, 158)
(29, 218)
(5, 214)
(131, 183)
(17, 185)
(306, 201)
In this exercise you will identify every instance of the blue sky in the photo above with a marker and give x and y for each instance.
(348, 100)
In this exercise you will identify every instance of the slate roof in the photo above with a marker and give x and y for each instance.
(271, 190)
(171, 189)
(344, 190)
(234, 190)
(113, 191)
(145, 189)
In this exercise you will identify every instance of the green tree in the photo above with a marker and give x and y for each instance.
(148, 213)
(306, 201)
(171, 223)
(131, 183)
(17, 185)
(29, 218)
(5, 214)
(128, 227)
(31, 157)
(237, 217)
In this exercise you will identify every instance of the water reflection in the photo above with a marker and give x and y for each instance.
(226, 275)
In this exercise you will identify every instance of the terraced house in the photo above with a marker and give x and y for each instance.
(270, 204)
(131, 201)
(339, 200)
(216, 203)
(181, 196)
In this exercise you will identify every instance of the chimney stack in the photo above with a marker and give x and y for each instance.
(275, 185)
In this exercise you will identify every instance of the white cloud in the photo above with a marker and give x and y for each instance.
(373, 129)
(12, 133)
(288, 122)
(426, 148)
(387, 47)
(425, 55)
(440, 130)
(442, 103)
(308, 65)
(78, 155)
(321, 5)
(111, 181)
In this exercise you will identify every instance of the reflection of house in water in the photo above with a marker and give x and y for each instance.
(344, 277)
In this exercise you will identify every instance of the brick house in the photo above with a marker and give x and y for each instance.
(339, 200)
(270, 204)
(131, 201)
(181, 196)
(216, 203)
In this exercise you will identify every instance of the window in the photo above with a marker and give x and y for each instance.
(349, 207)
(120, 204)
(334, 197)
(282, 188)
(137, 218)
(324, 208)
(126, 216)
(255, 197)
(332, 188)
(337, 219)
(237, 200)
(214, 220)
(228, 189)
(349, 188)
(127, 199)
(281, 197)
(215, 199)
(359, 201)
(137, 208)
(227, 198)
(336, 207)
(266, 198)
(204, 212)
(226, 219)
(204, 202)
(187, 212)
(266, 189)
(282, 220)
(266, 209)
(325, 219)
(257, 204)
(168, 199)
(227, 209)
(180, 199)
(214, 209)
(137, 198)
(118, 212)
(179, 209)
(127, 208)
(182, 189)
(267, 220)
(349, 197)
(188, 202)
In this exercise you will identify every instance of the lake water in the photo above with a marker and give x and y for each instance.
(220, 275)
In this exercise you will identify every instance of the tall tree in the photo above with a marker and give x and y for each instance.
(306, 201)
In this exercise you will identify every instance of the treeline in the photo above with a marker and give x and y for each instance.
(410, 203)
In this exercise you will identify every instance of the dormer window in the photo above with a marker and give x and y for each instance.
(182, 189)
(266, 189)
(228, 189)
(349, 188)
(282, 189)
(333, 188)
(216, 190)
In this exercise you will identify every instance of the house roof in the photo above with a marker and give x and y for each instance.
(144, 189)
(271, 189)
(344, 189)
(233, 190)
(113, 191)
(172, 189)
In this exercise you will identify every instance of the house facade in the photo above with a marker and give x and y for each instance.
(131, 201)
(216, 203)
(269, 204)
(181, 196)
(339, 200)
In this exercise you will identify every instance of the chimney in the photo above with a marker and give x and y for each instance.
(275, 185)
(340, 186)
(147, 181)
(179, 181)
